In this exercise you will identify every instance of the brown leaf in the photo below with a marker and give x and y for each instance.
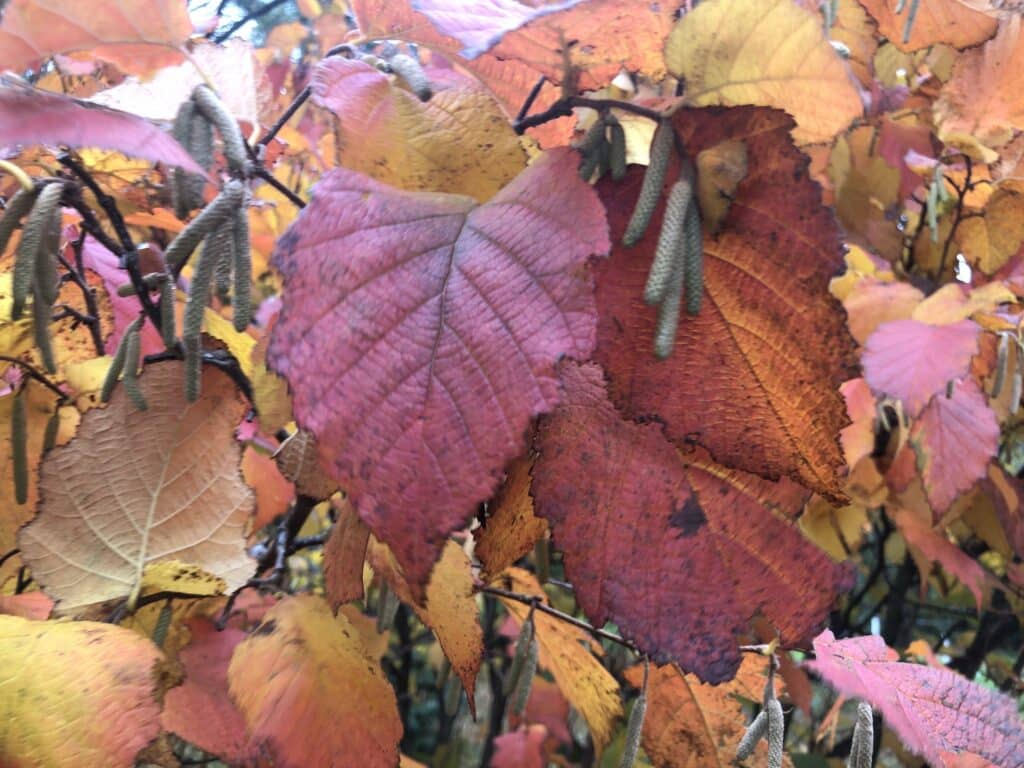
(344, 554)
(511, 529)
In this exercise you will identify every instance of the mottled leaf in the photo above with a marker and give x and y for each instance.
(911, 361)
(443, 323)
(770, 345)
(29, 117)
(311, 691)
(687, 552)
(931, 710)
(170, 489)
(766, 52)
(937, 21)
(511, 530)
(76, 693)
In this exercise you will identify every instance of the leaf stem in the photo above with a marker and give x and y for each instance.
(36, 374)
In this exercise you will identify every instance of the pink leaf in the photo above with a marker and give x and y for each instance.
(29, 117)
(954, 438)
(342, 85)
(933, 711)
(420, 334)
(911, 360)
(523, 748)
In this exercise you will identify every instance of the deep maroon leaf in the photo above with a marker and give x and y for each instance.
(420, 334)
(933, 710)
(29, 117)
(679, 552)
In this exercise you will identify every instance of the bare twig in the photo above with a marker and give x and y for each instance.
(33, 372)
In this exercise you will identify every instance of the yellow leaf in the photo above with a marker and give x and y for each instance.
(829, 527)
(176, 576)
(239, 344)
(766, 52)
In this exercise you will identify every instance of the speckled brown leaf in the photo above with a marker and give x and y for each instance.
(170, 489)
(754, 377)
(511, 529)
(344, 555)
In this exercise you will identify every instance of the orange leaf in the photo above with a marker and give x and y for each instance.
(273, 492)
(937, 21)
(344, 554)
(511, 529)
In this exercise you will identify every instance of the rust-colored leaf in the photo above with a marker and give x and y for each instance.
(170, 490)
(754, 377)
(273, 491)
(932, 710)
(677, 551)
(76, 693)
(511, 529)
(937, 21)
(344, 554)
(442, 322)
(311, 691)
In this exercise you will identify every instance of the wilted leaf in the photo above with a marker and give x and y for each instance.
(344, 555)
(137, 35)
(700, 551)
(299, 460)
(311, 691)
(458, 142)
(29, 117)
(911, 361)
(170, 489)
(768, 343)
(954, 438)
(937, 21)
(444, 322)
(690, 724)
(200, 710)
(562, 649)
(450, 610)
(76, 693)
(766, 52)
(512, 529)
(932, 710)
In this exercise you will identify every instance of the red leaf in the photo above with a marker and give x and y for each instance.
(523, 748)
(680, 554)
(420, 334)
(200, 710)
(29, 117)
(911, 361)
(932, 710)
(954, 438)
(754, 376)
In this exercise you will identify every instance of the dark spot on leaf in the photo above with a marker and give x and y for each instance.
(266, 628)
(689, 518)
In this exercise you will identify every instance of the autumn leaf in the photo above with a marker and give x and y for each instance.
(200, 710)
(768, 342)
(28, 605)
(988, 242)
(690, 724)
(454, 317)
(458, 142)
(563, 650)
(311, 692)
(512, 529)
(911, 360)
(170, 490)
(872, 303)
(273, 491)
(61, 677)
(765, 52)
(521, 748)
(344, 554)
(29, 117)
(936, 21)
(932, 710)
(137, 35)
(701, 551)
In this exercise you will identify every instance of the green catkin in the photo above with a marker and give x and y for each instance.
(452, 696)
(521, 693)
(216, 243)
(1015, 393)
(131, 371)
(212, 108)
(151, 280)
(1002, 363)
(116, 366)
(387, 609)
(604, 160)
(46, 277)
(654, 178)
(617, 149)
(222, 275)
(168, 331)
(19, 447)
(241, 301)
(542, 558)
(590, 147)
(52, 427)
(668, 314)
(41, 317)
(862, 745)
(519, 655)
(669, 254)
(195, 134)
(410, 70)
(932, 212)
(776, 733)
(193, 367)
(38, 228)
(163, 623)
(635, 727)
(19, 205)
(693, 265)
(754, 733)
(589, 164)
(220, 209)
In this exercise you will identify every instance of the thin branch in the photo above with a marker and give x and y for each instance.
(107, 203)
(530, 98)
(268, 177)
(299, 100)
(251, 16)
(564, 108)
(88, 294)
(36, 374)
(9, 555)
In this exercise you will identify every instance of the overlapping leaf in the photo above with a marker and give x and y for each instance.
(512, 529)
(65, 684)
(311, 691)
(344, 554)
(680, 554)
(937, 21)
(170, 490)
(933, 710)
(420, 335)
(754, 377)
